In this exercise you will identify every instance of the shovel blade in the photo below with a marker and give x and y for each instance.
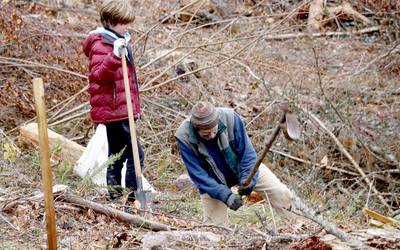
(292, 126)
(144, 197)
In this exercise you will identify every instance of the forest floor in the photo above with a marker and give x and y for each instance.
(342, 82)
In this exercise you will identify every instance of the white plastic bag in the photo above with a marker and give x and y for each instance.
(92, 159)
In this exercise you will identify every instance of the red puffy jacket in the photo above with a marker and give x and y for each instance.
(106, 83)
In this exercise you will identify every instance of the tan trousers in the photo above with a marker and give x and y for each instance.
(268, 185)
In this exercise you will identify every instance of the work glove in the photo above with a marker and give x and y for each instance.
(118, 45)
(234, 202)
(246, 190)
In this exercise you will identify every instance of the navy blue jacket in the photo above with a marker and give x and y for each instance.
(204, 179)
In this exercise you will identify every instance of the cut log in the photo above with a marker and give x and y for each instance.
(70, 151)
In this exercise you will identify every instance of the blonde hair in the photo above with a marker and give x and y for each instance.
(113, 12)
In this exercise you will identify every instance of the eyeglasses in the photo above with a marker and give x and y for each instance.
(208, 133)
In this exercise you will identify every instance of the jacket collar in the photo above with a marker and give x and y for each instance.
(110, 35)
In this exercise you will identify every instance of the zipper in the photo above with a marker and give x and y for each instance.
(216, 171)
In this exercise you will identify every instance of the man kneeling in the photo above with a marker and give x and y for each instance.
(218, 155)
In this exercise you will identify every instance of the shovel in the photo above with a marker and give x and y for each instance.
(142, 196)
(291, 128)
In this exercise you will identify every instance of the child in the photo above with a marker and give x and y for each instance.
(107, 93)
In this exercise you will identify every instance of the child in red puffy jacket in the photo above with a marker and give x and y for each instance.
(107, 93)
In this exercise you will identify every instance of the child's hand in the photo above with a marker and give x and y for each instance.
(118, 45)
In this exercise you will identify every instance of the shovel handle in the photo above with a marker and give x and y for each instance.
(132, 126)
(265, 151)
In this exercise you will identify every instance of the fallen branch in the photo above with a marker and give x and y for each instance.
(298, 35)
(329, 227)
(114, 213)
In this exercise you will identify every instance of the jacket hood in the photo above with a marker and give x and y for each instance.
(87, 43)
(101, 33)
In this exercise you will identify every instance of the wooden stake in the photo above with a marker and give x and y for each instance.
(38, 92)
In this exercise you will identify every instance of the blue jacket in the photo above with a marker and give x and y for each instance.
(221, 165)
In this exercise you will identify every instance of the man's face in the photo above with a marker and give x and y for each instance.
(208, 134)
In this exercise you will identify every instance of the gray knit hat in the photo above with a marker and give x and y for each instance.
(204, 115)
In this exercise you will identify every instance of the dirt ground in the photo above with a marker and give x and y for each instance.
(350, 82)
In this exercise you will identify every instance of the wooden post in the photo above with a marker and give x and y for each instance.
(38, 92)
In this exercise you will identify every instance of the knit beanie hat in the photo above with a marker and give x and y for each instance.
(204, 115)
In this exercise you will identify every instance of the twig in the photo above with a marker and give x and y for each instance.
(392, 49)
(322, 88)
(347, 154)
(9, 223)
(145, 36)
(369, 193)
(259, 114)
(164, 107)
(177, 61)
(191, 19)
(313, 163)
(57, 115)
(272, 212)
(347, 9)
(68, 100)
(35, 64)
(201, 69)
(257, 38)
(69, 118)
